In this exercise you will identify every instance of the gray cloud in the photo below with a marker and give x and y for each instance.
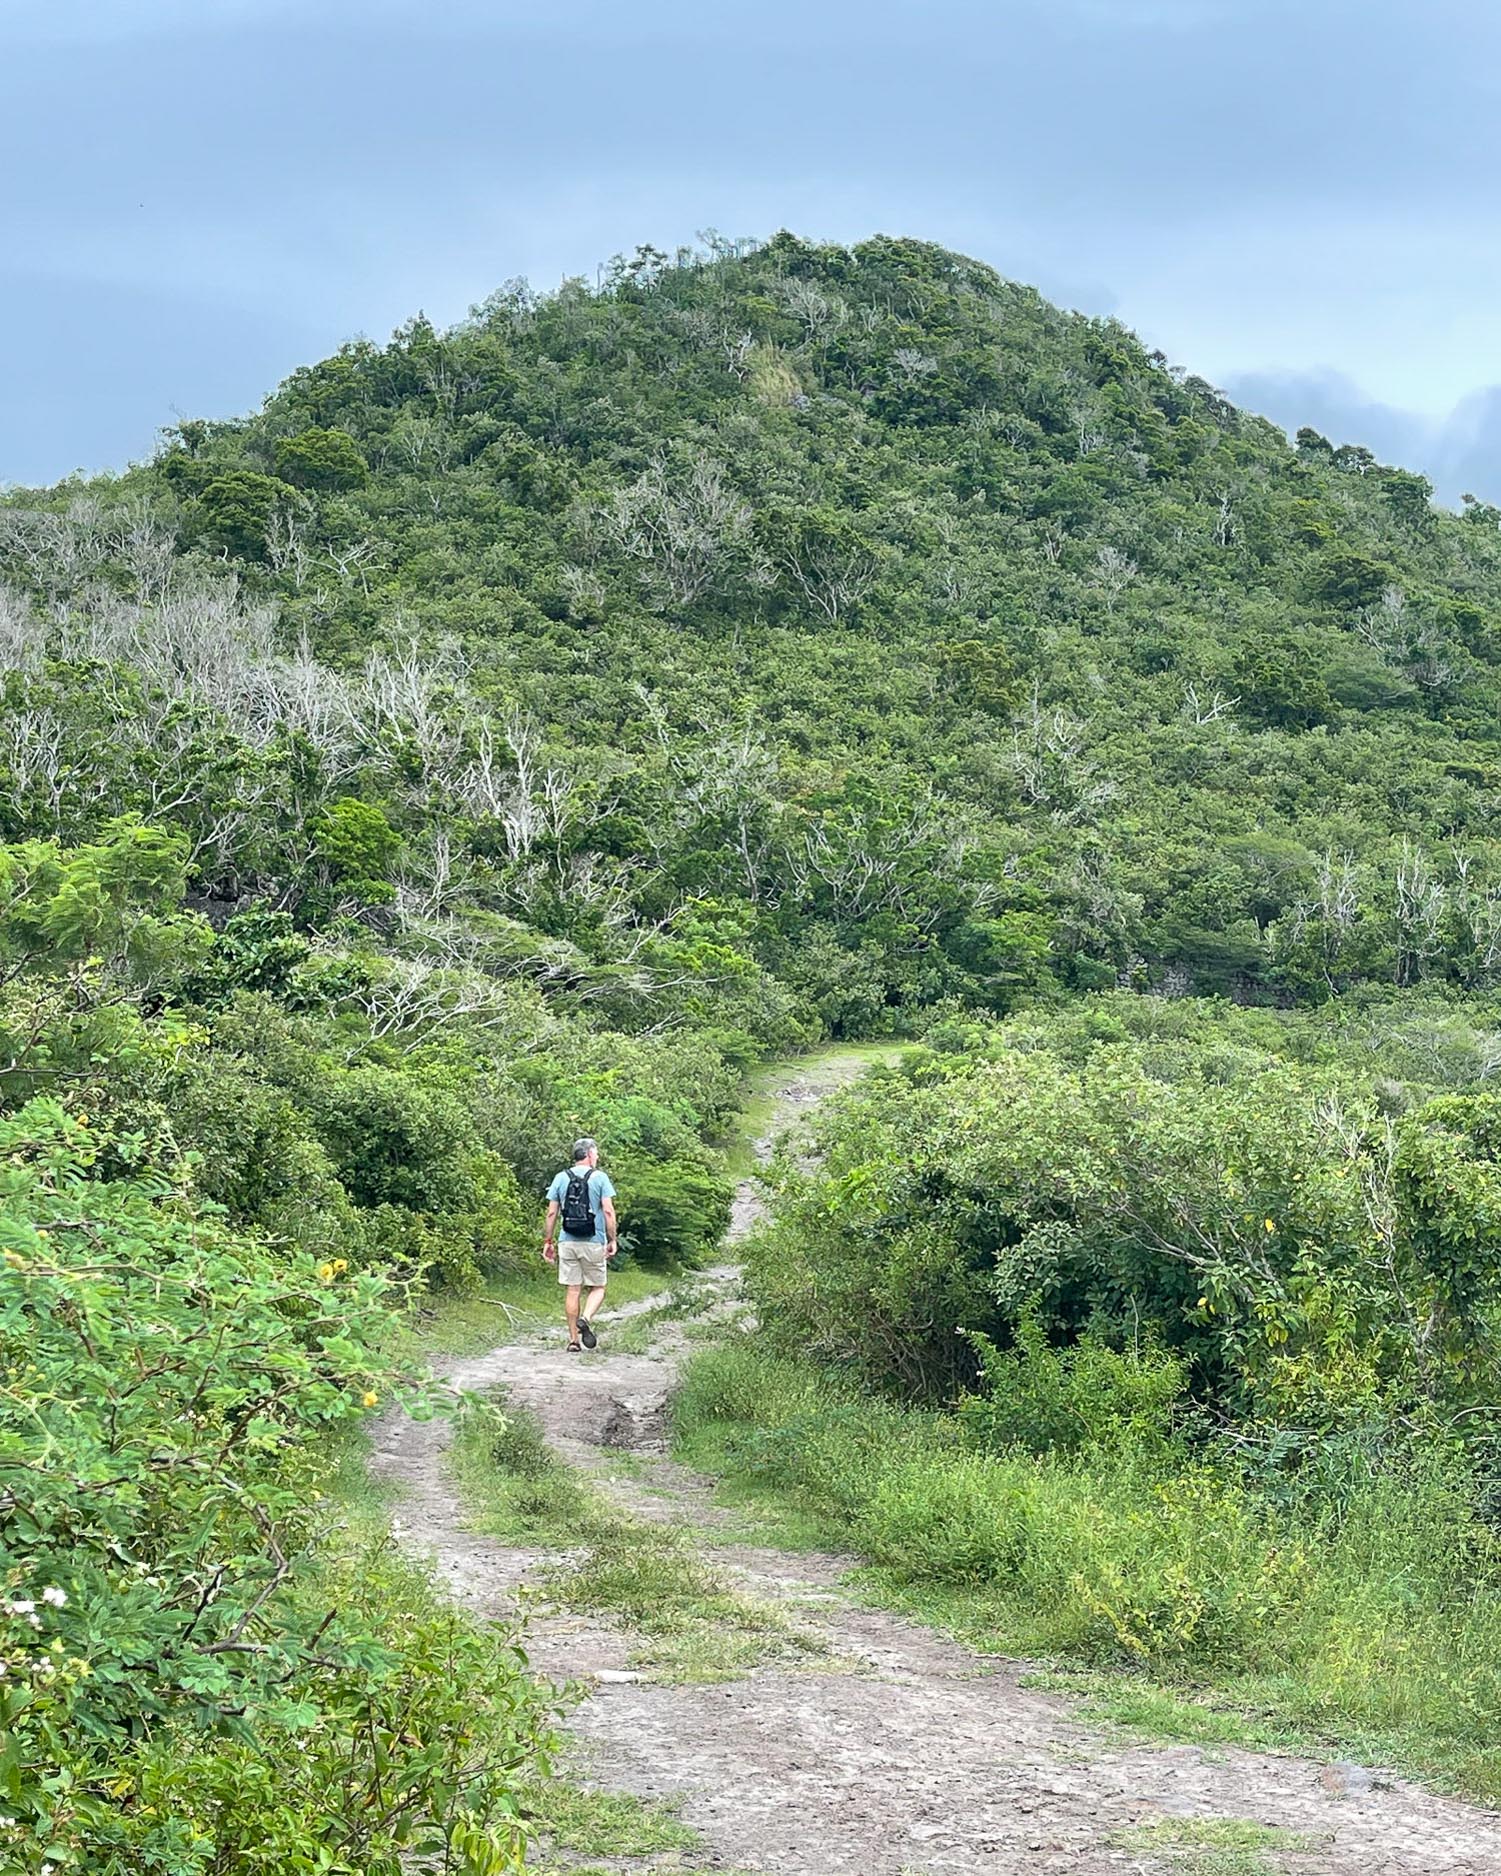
(1256, 184)
(1460, 452)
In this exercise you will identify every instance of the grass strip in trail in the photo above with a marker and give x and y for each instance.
(1149, 1709)
(1213, 1846)
(513, 1484)
(764, 1108)
(691, 1624)
(693, 1308)
(687, 1621)
(1203, 1612)
(565, 1817)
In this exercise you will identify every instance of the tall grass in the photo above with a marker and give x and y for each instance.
(1375, 1622)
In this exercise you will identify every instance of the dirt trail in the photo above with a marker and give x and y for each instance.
(897, 1752)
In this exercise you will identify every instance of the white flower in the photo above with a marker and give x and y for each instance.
(7, 1823)
(57, 1597)
(21, 1605)
(34, 1620)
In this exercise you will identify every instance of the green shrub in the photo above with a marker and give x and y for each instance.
(939, 1519)
(354, 846)
(399, 1138)
(672, 1211)
(189, 1683)
(257, 1154)
(1065, 1400)
(1235, 1210)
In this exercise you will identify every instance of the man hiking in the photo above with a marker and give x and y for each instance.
(583, 1201)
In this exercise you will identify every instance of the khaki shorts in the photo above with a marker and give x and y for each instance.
(581, 1260)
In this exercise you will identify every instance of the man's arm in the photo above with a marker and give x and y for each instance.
(550, 1228)
(611, 1247)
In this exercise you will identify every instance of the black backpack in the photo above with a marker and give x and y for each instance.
(578, 1213)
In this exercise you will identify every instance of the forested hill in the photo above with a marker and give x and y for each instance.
(848, 615)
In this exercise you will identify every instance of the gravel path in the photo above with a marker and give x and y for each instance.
(896, 1752)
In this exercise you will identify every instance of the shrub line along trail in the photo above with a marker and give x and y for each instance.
(895, 1751)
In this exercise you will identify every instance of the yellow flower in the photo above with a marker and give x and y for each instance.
(1269, 1225)
(325, 1273)
(82, 1119)
(370, 1398)
(340, 1266)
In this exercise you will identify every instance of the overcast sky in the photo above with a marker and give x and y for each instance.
(1295, 198)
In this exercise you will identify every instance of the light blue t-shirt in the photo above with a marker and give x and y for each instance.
(600, 1188)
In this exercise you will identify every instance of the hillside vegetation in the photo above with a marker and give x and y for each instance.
(802, 603)
(522, 729)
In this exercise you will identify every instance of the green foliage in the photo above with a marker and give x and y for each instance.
(1301, 1259)
(355, 845)
(1351, 580)
(186, 1685)
(1090, 1397)
(116, 897)
(931, 589)
(235, 510)
(1447, 1176)
(88, 936)
(594, 699)
(671, 1211)
(256, 1155)
(399, 1139)
(1280, 678)
(321, 459)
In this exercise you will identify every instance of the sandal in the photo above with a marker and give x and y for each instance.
(575, 1348)
(586, 1332)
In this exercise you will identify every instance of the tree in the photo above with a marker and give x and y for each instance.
(355, 846)
(1116, 572)
(1409, 496)
(322, 460)
(236, 508)
(686, 529)
(823, 555)
(1281, 681)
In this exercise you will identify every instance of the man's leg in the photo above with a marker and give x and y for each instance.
(571, 1310)
(592, 1302)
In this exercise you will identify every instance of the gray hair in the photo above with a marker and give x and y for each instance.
(583, 1148)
